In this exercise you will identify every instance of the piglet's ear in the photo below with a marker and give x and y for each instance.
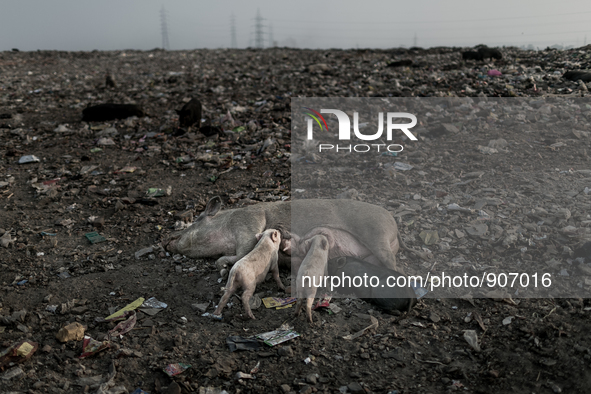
(275, 236)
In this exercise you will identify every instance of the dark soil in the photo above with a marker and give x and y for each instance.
(545, 349)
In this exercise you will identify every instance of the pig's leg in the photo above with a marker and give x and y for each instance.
(275, 271)
(229, 291)
(246, 296)
(313, 266)
(226, 261)
(309, 302)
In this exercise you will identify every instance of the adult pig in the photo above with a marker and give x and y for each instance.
(231, 233)
(350, 275)
(252, 269)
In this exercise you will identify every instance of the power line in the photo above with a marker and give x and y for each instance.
(164, 29)
(271, 40)
(233, 32)
(258, 32)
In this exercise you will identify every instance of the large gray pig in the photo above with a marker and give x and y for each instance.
(383, 292)
(372, 231)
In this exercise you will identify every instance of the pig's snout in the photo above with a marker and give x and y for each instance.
(170, 241)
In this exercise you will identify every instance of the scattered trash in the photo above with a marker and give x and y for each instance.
(120, 314)
(175, 369)
(155, 192)
(429, 237)
(419, 291)
(91, 346)
(279, 303)
(323, 303)
(95, 237)
(276, 337)
(152, 306)
(334, 308)
(374, 324)
(402, 166)
(494, 73)
(17, 353)
(124, 327)
(28, 159)
(240, 343)
(242, 375)
(71, 332)
(212, 316)
(472, 338)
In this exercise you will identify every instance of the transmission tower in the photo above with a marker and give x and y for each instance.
(164, 27)
(258, 31)
(271, 40)
(233, 31)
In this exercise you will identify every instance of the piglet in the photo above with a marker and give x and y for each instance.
(252, 270)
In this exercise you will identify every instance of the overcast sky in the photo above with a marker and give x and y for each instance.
(136, 24)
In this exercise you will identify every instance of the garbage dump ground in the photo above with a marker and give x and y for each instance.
(85, 204)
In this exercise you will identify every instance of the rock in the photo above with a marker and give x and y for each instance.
(348, 194)
(477, 230)
(285, 351)
(311, 378)
(497, 144)
(71, 332)
(142, 252)
(173, 388)
(286, 388)
(6, 240)
(306, 390)
(200, 307)
(11, 373)
(434, 317)
(355, 387)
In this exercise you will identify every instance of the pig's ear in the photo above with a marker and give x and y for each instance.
(213, 206)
